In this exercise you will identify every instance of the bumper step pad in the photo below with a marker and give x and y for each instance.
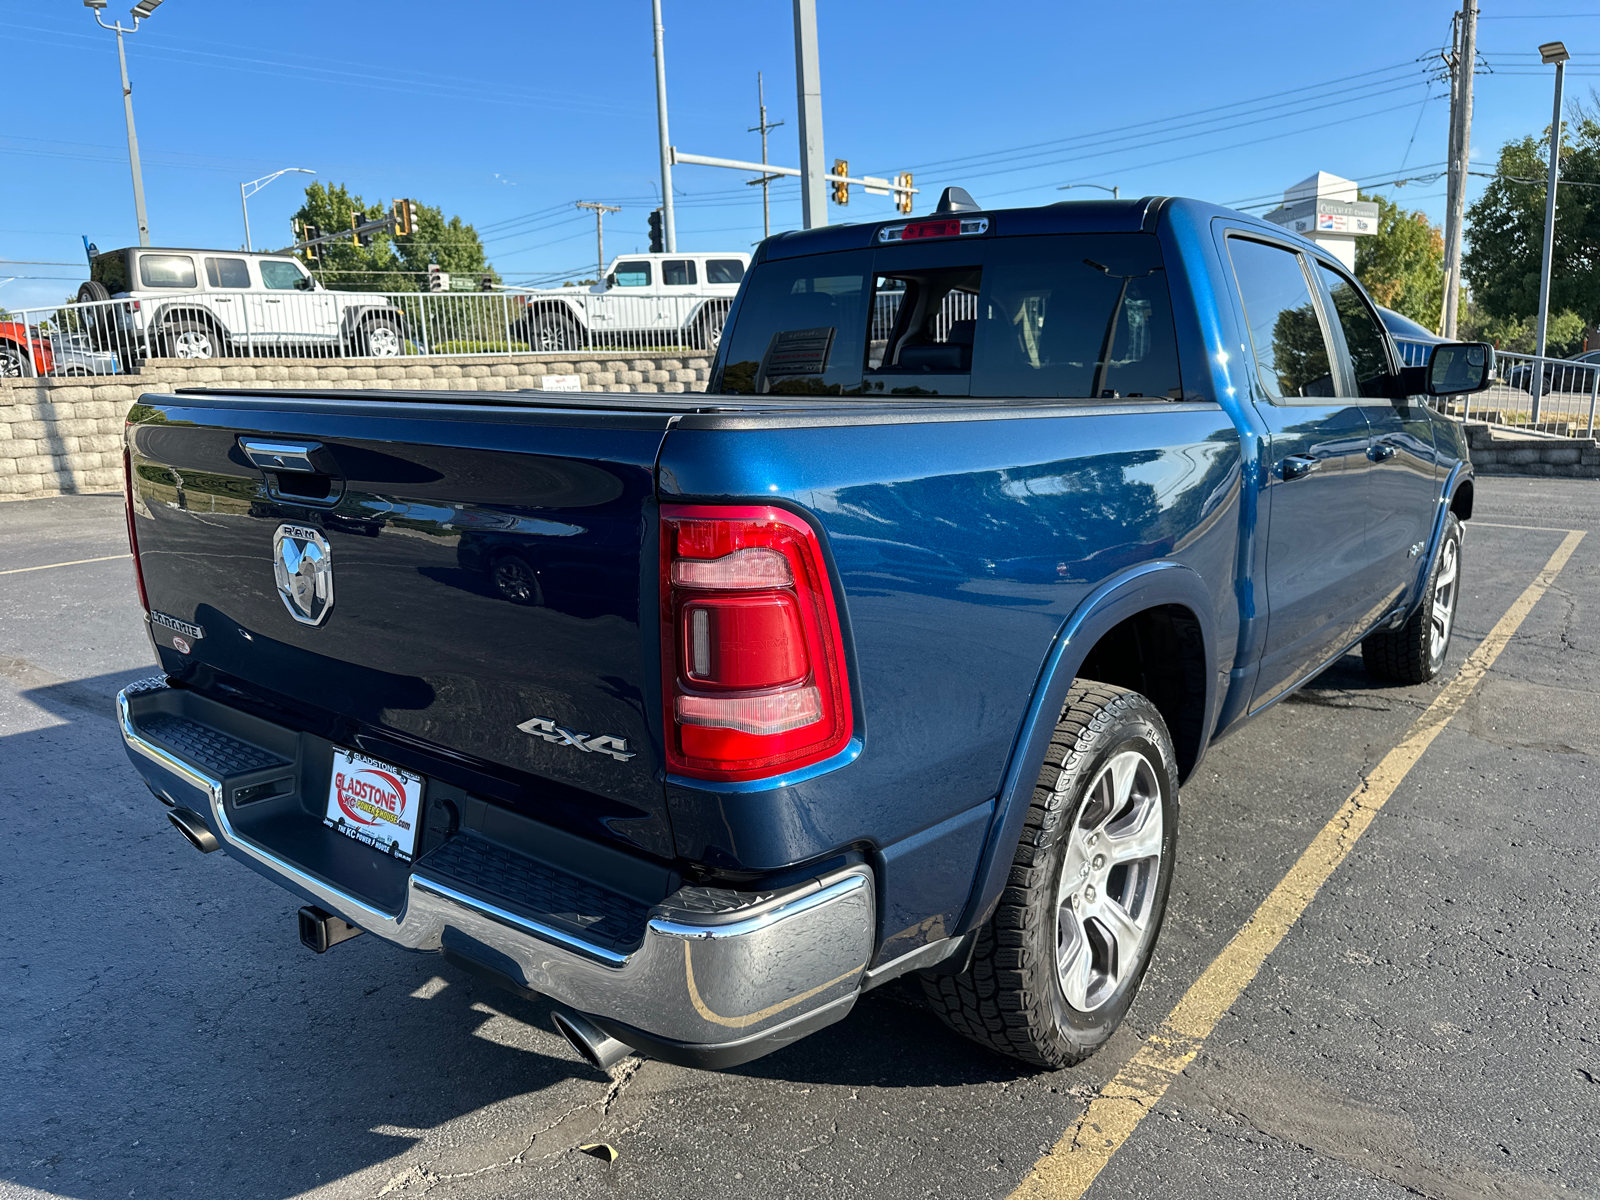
(538, 890)
(217, 752)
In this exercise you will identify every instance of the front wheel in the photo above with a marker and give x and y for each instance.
(1415, 652)
(1057, 967)
(708, 329)
(552, 333)
(13, 361)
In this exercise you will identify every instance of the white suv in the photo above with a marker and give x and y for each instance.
(205, 303)
(642, 294)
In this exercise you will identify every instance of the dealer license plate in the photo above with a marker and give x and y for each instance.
(374, 802)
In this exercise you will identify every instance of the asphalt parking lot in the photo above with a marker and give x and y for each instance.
(1429, 1026)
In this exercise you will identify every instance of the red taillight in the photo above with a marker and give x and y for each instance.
(133, 537)
(752, 657)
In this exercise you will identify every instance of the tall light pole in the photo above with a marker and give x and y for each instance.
(669, 229)
(1550, 52)
(1462, 65)
(808, 82)
(139, 11)
(254, 186)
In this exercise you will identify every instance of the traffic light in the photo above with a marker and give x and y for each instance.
(355, 238)
(841, 190)
(405, 217)
(310, 233)
(902, 199)
(486, 283)
(658, 241)
(438, 281)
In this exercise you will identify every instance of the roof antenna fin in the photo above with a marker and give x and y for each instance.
(956, 199)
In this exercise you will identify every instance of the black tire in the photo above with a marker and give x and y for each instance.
(96, 321)
(551, 333)
(380, 337)
(516, 580)
(1416, 651)
(14, 362)
(1013, 997)
(708, 327)
(189, 339)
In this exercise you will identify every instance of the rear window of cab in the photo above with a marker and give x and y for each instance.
(1067, 315)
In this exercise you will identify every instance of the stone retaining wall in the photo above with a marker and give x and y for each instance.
(65, 435)
(1496, 452)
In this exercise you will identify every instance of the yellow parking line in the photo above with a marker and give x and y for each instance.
(1075, 1161)
(77, 562)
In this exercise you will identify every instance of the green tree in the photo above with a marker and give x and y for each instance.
(1402, 265)
(388, 264)
(1506, 227)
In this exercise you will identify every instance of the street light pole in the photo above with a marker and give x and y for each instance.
(766, 179)
(668, 225)
(143, 9)
(255, 185)
(808, 81)
(1550, 52)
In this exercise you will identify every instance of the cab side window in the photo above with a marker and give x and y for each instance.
(277, 274)
(677, 272)
(633, 274)
(1364, 336)
(1293, 359)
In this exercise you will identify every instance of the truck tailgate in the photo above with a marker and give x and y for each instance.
(481, 593)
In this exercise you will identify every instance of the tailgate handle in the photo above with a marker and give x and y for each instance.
(281, 456)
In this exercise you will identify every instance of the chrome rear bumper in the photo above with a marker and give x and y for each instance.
(720, 976)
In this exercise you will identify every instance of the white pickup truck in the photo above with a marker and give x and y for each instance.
(206, 303)
(641, 294)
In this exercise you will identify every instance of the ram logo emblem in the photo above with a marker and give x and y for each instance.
(602, 743)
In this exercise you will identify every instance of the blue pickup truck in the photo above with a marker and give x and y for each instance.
(702, 715)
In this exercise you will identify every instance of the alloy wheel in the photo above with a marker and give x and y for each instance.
(1442, 617)
(1106, 894)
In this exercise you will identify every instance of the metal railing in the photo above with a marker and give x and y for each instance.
(112, 337)
(1547, 395)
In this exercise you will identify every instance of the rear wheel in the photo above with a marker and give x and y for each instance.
(189, 339)
(1058, 965)
(552, 333)
(708, 329)
(380, 338)
(1415, 652)
(515, 579)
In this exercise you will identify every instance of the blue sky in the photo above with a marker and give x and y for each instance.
(506, 113)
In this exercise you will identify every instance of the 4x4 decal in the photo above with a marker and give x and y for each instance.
(603, 743)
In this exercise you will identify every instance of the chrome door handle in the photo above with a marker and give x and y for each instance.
(1297, 466)
(280, 456)
(1380, 452)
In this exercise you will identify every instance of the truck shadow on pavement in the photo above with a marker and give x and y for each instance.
(170, 1035)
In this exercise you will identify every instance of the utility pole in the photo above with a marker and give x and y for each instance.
(1463, 62)
(669, 226)
(1550, 52)
(600, 211)
(141, 10)
(808, 82)
(766, 178)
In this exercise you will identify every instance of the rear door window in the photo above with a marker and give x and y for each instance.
(724, 270)
(676, 272)
(231, 273)
(802, 327)
(1293, 359)
(632, 274)
(166, 271)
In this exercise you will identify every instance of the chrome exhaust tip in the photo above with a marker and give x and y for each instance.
(194, 828)
(598, 1048)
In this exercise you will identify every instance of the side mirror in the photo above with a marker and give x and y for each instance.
(611, 280)
(1454, 369)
